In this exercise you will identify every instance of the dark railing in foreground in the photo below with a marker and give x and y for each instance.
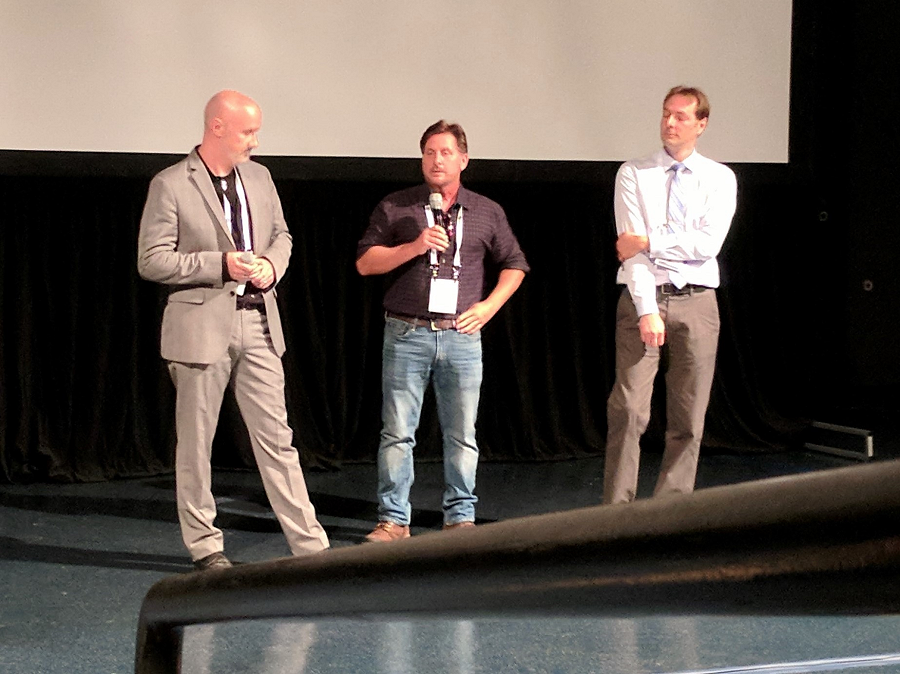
(815, 544)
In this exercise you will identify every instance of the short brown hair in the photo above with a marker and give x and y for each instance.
(692, 92)
(443, 126)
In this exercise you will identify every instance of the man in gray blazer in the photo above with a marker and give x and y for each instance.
(213, 232)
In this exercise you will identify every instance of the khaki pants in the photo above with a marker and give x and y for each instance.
(692, 335)
(255, 371)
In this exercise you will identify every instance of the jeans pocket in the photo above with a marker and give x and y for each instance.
(474, 337)
(397, 329)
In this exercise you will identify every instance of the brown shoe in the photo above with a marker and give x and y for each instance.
(216, 560)
(459, 525)
(385, 532)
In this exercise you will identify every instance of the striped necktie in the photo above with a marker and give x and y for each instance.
(676, 208)
(233, 212)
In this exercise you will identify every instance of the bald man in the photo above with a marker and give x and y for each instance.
(214, 234)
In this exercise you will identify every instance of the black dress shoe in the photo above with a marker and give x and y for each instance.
(216, 560)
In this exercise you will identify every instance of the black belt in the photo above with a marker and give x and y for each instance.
(435, 324)
(254, 301)
(667, 289)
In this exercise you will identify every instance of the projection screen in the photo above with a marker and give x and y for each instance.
(528, 79)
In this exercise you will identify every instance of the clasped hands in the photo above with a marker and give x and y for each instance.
(259, 271)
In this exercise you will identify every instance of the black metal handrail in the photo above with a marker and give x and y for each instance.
(814, 544)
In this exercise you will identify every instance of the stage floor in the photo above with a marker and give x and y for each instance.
(76, 561)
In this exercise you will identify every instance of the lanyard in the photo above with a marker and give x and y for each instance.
(457, 257)
(245, 217)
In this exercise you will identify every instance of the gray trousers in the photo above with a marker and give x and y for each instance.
(692, 335)
(257, 376)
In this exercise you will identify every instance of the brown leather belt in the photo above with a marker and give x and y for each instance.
(435, 324)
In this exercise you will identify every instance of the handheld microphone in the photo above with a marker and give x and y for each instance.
(436, 201)
(247, 258)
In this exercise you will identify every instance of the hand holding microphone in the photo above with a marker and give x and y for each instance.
(240, 265)
(244, 266)
(435, 238)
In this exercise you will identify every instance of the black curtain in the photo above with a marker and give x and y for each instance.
(82, 392)
(85, 395)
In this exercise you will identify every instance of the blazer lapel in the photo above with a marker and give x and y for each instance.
(200, 176)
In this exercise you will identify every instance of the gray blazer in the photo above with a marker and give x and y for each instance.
(182, 238)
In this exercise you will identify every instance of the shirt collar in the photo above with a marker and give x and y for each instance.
(464, 197)
(212, 176)
(666, 160)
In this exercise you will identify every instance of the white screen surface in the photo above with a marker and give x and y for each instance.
(527, 79)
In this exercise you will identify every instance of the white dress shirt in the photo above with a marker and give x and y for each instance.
(677, 257)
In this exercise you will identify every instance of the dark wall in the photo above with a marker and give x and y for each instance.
(84, 394)
(871, 162)
(844, 138)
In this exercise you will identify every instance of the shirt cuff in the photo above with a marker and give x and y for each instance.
(645, 306)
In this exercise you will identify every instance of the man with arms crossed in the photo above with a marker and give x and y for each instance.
(435, 240)
(215, 235)
(673, 210)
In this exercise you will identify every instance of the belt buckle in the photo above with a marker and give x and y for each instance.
(671, 290)
(434, 328)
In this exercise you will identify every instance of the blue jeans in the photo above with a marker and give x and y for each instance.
(412, 357)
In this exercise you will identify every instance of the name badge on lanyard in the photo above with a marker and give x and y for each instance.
(443, 296)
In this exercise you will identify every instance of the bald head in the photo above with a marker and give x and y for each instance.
(226, 103)
(231, 122)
